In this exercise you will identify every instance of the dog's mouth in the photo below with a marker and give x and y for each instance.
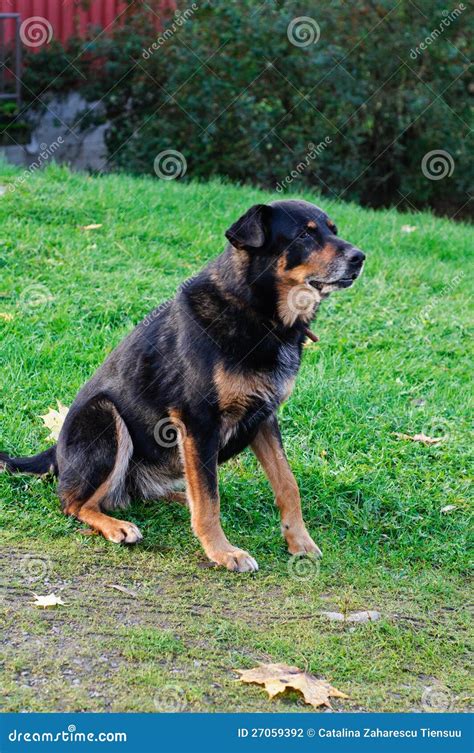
(346, 282)
(343, 282)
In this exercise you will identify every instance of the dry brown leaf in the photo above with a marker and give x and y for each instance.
(51, 600)
(419, 438)
(279, 677)
(94, 226)
(122, 589)
(54, 419)
(6, 317)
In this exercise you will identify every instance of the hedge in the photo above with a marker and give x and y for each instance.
(357, 99)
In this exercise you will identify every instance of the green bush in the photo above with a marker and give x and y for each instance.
(226, 88)
(13, 127)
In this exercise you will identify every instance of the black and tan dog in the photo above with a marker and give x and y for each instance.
(200, 379)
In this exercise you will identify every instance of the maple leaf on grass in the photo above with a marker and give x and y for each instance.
(280, 677)
(51, 600)
(54, 419)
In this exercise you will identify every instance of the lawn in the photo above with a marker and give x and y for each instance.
(390, 514)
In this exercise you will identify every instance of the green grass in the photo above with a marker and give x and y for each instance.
(392, 358)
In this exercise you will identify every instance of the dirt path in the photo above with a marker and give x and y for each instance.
(170, 641)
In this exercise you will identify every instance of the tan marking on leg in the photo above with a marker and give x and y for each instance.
(112, 529)
(117, 531)
(285, 488)
(179, 497)
(205, 511)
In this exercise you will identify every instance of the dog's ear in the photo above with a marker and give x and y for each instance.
(252, 229)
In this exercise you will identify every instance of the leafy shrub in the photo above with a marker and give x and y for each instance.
(48, 71)
(13, 127)
(227, 89)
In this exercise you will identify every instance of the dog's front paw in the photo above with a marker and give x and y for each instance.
(237, 560)
(300, 542)
(121, 532)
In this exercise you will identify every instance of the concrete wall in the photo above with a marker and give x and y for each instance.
(58, 135)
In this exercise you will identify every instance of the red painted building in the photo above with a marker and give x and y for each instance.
(68, 18)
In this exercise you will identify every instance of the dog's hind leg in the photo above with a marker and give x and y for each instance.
(93, 458)
(176, 496)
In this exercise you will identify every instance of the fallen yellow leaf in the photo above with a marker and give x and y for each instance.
(47, 601)
(54, 419)
(279, 677)
(419, 438)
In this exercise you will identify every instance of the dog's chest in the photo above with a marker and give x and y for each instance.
(242, 392)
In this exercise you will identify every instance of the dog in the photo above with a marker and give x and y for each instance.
(200, 379)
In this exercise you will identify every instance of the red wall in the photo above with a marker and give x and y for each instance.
(66, 18)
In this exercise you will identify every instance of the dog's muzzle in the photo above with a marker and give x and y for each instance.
(355, 260)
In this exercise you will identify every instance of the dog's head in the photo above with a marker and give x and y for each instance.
(298, 245)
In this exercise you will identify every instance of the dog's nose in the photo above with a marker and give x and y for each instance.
(355, 256)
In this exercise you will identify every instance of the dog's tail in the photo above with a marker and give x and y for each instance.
(44, 462)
